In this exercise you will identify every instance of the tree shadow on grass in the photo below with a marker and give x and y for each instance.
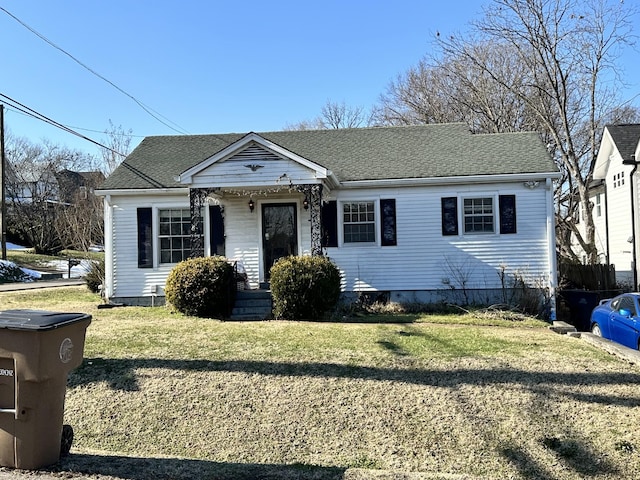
(138, 468)
(575, 454)
(120, 374)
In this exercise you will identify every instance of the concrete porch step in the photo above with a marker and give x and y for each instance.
(252, 305)
(562, 327)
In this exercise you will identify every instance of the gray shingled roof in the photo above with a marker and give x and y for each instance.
(626, 137)
(426, 151)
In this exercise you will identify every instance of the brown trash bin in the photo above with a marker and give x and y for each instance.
(38, 349)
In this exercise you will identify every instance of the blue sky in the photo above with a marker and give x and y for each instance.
(211, 66)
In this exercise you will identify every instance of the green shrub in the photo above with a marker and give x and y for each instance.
(95, 276)
(304, 287)
(202, 287)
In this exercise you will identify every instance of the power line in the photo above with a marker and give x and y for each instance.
(146, 108)
(130, 135)
(37, 115)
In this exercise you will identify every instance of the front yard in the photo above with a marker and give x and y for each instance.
(166, 396)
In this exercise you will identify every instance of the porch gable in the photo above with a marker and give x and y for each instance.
(254, 162)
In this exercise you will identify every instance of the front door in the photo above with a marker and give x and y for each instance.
(279, 233)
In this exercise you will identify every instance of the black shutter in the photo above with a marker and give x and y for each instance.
(216, 230)
(145, 238)
(449, 216)
(330, 224)
(388, 225)
(507, 214)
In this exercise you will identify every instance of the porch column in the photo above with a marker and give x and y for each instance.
(313, 193)
(197, 202)
(315, 211)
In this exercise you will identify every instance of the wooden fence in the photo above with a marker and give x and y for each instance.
(587, 277)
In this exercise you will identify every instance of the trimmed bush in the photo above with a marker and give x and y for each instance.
(304, 287)
(202, 287)
(95, 276)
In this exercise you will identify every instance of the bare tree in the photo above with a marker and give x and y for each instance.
(335, 115)
(545, 65)
(37, 202)
(118, 142)
(453, 88)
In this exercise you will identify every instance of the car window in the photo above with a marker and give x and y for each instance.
(628, 304)
(615, 303)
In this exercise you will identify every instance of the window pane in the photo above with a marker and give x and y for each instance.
(359, 223)
(478, 215)
(175, 234)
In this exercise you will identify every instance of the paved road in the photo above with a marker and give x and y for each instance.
(59, 282)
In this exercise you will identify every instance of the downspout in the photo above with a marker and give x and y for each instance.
(632, 161)
(633, 227)
(551, 242)
(606, 222)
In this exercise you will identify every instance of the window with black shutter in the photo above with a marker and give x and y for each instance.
(507, 214)
(329, 216)
(388, 225)
(145, 238)
(449, 216)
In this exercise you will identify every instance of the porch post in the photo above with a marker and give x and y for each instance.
(313, 194)
(197, 202)
(315, 203)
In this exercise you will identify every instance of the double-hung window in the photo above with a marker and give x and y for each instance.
(174, 233)
(359, 222)
(478, 214)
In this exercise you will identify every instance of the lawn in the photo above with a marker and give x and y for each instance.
(164, 396)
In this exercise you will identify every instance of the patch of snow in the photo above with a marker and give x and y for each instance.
(13, 246)
(30, 275)
(77, 271)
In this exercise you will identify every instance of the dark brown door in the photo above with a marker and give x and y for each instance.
(279, 233)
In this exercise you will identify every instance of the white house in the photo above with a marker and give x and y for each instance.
(614, 194)
(419, 212)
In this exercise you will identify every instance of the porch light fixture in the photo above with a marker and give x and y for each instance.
(251, 204)
(305, 203)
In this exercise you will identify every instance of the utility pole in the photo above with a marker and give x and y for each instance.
(3, 203)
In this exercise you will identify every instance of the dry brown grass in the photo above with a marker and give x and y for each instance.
(162, 396)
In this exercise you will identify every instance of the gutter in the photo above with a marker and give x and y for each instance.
(424, 181)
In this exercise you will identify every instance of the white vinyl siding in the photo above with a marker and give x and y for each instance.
(423, 258)
(620, 227)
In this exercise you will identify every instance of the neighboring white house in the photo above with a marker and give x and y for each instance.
(614, 194)
(418, 212)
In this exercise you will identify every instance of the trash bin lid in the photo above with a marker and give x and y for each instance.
(38, 319)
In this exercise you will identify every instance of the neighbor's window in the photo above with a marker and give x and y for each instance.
(359, 222)
(598, 205)
(175, 234)
(478, 215)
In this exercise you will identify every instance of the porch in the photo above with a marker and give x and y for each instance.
(256, 227)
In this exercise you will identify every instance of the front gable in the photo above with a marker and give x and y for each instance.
(253, 161)
(606, 151)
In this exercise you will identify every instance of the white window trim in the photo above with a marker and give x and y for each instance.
(376, 221)
(496, 212)
(156, 231)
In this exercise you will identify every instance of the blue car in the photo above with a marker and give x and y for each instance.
(617, 319)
